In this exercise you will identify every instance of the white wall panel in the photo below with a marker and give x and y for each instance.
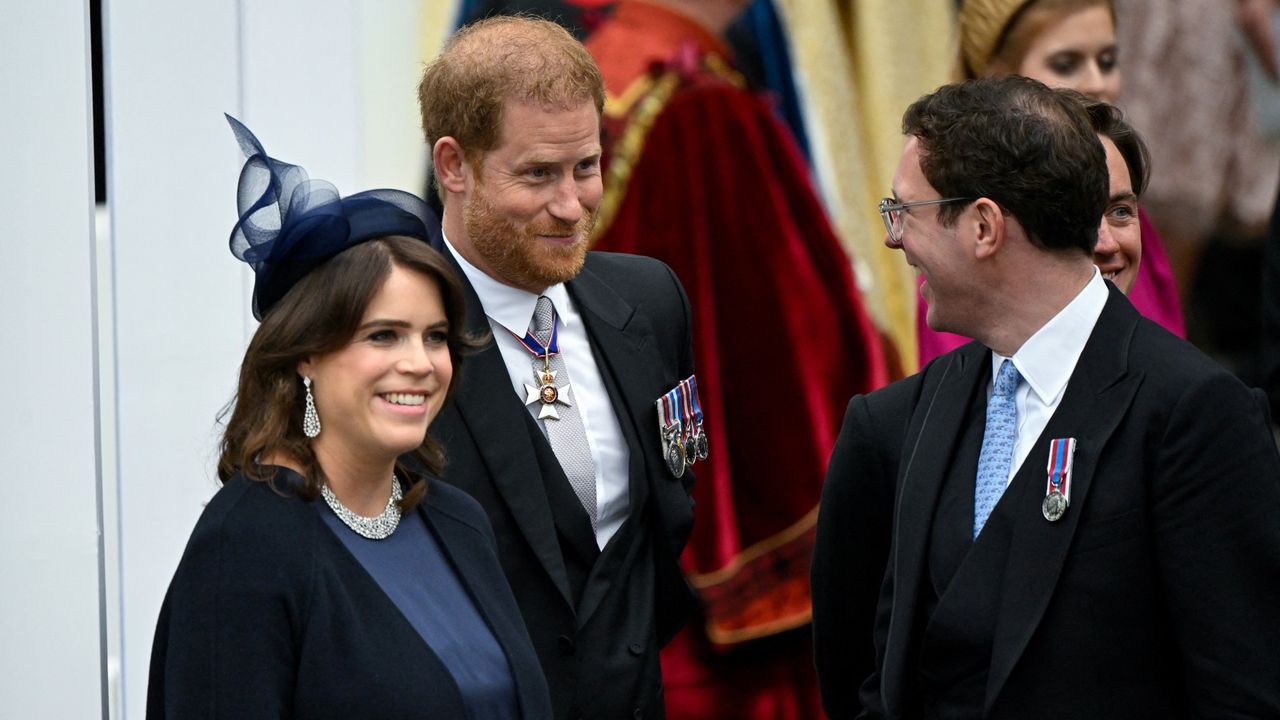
(392, 49)
(172, 68)
(51, 657)
(300, 91)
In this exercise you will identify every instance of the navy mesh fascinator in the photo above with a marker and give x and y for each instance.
(289, 223)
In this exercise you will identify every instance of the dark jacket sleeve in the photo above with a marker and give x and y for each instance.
(1215, 499)
(848, 560)
(224, 644)
(854, 532)
(675, 598)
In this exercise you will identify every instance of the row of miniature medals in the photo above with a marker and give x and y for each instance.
(680, 422)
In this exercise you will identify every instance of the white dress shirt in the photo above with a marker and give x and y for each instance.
(509, 311)
(1046, 361)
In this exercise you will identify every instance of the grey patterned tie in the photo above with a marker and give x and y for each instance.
(560, 418)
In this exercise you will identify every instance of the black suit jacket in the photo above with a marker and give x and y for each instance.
(270, 616)
(1156, 595)
(597, 619)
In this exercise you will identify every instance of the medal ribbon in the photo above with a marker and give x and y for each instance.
(536, 348)
(1061, 451)
(686, 406)
(667, 410)
(693, 393)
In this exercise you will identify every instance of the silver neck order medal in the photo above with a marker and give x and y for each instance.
(377, 527)
(547, 392)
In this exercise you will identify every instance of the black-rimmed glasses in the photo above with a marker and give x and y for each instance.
(893, 212)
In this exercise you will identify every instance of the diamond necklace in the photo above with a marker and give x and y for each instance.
(377, 527)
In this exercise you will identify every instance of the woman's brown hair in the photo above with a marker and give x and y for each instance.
(320, 314)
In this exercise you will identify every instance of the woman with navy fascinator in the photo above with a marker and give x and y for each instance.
(327, 579)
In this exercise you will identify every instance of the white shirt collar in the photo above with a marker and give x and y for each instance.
(510, 307)
(1047, 359)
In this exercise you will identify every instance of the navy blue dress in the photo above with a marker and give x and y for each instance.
(411, 569)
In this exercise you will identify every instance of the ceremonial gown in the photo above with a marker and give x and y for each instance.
(700, 174)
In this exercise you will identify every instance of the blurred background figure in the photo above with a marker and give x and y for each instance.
(701, 173)
(858, 64)
(1186, 89)
(1214, 179)
(1062, 43)
(1260, 21)
(1270, 350)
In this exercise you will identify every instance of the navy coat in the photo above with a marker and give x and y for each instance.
(270, 616)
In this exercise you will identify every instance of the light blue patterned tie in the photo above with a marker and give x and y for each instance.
(997, 445)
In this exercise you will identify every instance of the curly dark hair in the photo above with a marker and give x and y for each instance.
(1029, 148)
(1108, 120)
(319, 315)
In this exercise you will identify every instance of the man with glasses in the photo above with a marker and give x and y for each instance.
(893, 213)
(1084, 507)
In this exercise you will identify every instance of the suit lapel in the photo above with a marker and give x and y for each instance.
(629, 364)
(490, 409)
(936, 425)
(1098, 395)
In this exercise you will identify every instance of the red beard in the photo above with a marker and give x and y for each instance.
(516, 254)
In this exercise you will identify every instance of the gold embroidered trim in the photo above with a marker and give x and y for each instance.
(730, 637)
(650, 97)
(737, 611)
(723, 70)
(617, 106)
(754, 552)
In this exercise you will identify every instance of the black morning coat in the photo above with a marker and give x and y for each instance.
(1157, 594)
(270, 616)
(597, 618)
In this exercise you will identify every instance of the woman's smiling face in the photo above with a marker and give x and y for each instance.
(377, 395)
(1119, 249)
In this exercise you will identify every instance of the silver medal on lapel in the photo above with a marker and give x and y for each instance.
(676, 459)
(673, 451)
(1054, 505)
(1057, 492)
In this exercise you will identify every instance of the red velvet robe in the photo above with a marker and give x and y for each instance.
(700, 174)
